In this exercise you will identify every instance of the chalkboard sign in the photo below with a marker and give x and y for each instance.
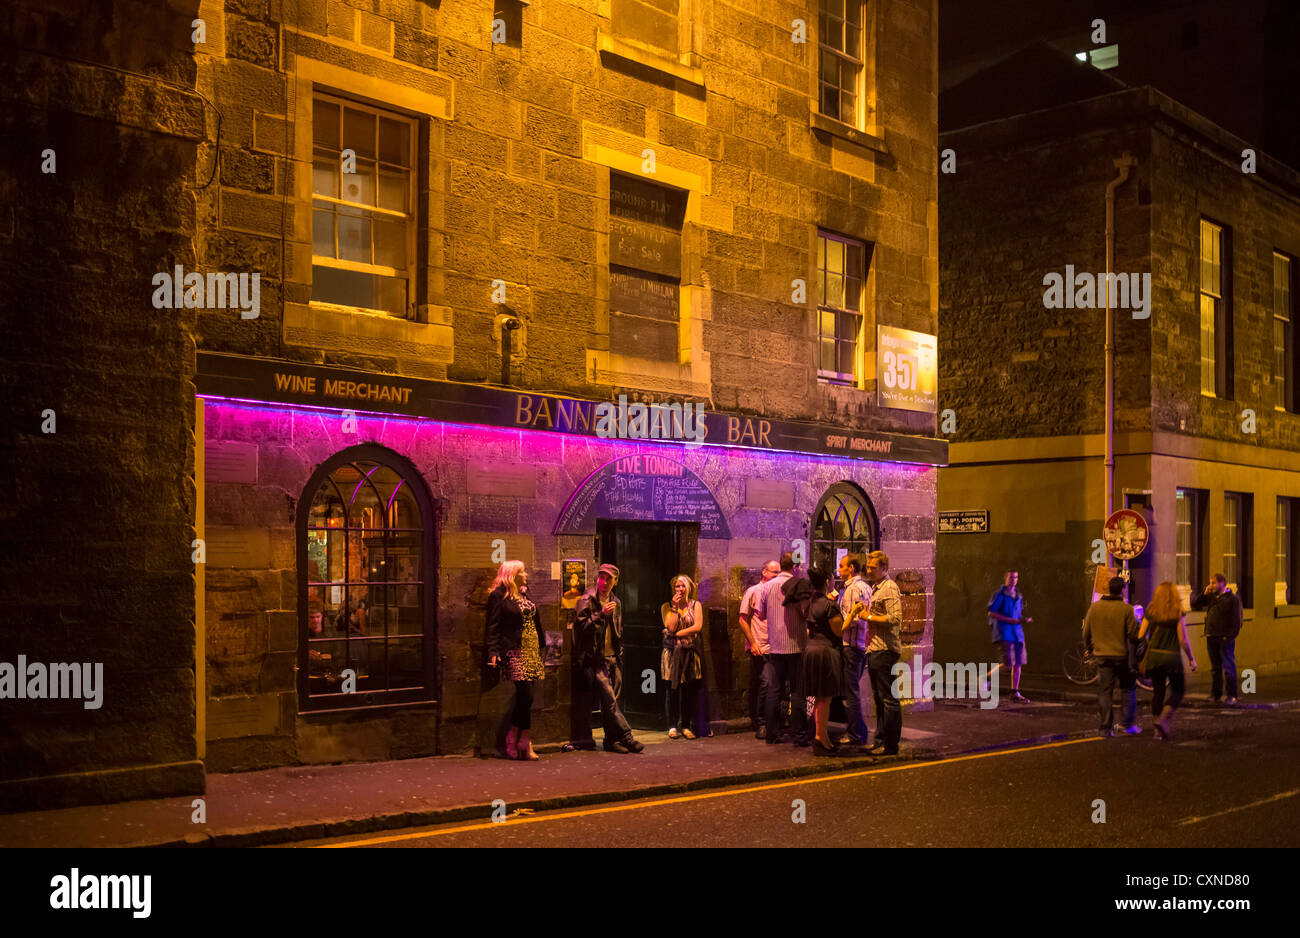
(643, 487)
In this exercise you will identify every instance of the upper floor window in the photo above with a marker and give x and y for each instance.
(363, 207)
(1283, 334)
(841, 274)
(1216, 321)
(841, 48)
(364, 555)
(645, 268)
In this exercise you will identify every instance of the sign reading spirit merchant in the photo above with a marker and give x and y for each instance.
(642, 487)
(258, 379)
(907, 369)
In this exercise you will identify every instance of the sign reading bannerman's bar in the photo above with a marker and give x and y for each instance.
(258, 379)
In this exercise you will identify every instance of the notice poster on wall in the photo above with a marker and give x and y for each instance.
(907, 369)
(573, 578)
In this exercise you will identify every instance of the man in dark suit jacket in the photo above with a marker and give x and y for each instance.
(598, 662)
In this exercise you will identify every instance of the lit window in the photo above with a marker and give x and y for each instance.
(1189, 519)
(1237, 533)
(841, 274)
(363, 222)
(840, 43)
(1283, 349)
(366, 539)
(1216, 326)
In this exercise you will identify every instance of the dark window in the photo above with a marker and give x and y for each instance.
(841, 276)
(645, 268)
(366, 589)
(1215, 275)
(840, 42)
(1238, 528)
(1286, 556)
(511, 15)
(844, 521)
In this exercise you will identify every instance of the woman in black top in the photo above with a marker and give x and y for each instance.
(1165, 628)
(822, 665)
(515, 642)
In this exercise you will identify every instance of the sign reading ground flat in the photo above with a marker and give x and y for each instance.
(259, 379)
(643, 487)
(964, 522)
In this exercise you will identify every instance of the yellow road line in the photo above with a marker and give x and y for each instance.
(701, 796)
(1254, 804)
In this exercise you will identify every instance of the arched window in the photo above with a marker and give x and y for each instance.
(844, 521)
(365, 547)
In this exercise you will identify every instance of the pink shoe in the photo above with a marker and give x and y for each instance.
(511, 751)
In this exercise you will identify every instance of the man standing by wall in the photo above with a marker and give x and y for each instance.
(598, 646)
(787, 633)
(1222, 625)
(1108, 628)
(757, 647)
(855, 591)
(884, 647)
(1006, 612)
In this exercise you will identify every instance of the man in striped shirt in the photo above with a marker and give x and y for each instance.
(884, 648)
(855, 591)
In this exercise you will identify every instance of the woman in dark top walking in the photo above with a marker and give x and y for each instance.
(515, 642)
(822, 665)
(1165, 628)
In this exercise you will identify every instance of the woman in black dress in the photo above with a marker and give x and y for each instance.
(515, 642)
(822, 665)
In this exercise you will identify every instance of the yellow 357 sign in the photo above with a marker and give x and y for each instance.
(907, 369)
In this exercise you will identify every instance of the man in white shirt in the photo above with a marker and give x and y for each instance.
(787, 633)
(756, 646)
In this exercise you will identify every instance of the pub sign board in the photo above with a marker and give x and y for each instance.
(263, 380)
(907, 369)
(964, 522)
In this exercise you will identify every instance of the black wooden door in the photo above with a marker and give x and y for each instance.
(646, 554)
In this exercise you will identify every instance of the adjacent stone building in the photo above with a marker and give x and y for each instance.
(437, 236)
(1207, 432)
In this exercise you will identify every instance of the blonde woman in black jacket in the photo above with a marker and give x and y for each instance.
(514, 643)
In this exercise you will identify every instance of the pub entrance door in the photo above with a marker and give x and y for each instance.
(647, 554)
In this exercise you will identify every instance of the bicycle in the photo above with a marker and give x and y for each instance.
(1081, 668)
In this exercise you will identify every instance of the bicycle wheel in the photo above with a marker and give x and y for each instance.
(1078, 668)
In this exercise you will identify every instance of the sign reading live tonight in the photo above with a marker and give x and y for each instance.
(259, 379)
(907, 369)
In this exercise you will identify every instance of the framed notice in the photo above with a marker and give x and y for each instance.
(907, 369)
(573, 580)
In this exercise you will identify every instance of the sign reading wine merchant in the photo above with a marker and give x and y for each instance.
(267, 380)
(643, 487)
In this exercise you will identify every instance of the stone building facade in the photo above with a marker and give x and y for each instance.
(453, 209)
(1207, 456)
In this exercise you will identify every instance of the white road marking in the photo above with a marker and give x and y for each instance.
(1254, 804)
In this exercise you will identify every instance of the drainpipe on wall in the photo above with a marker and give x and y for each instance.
(508, 326)
(1123, 164)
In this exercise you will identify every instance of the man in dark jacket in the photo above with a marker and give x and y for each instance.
(1222, 624)
(1108, 629)
(598, 659)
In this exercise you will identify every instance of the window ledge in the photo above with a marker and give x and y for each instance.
(342, 328)
(1286, 612)
(684, 68)
(829, 125)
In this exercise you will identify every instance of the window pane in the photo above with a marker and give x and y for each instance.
(835, 256)
(395, 141)
(359, 187)
(848, 108)
(354, 235)
(834, 290)
(390, 244)
(827, 323)
(393, 188)
(828, 355)
(830, 101)
(325, 124)
(359, 132)
(1207, 343)
(322, 232)
(325, 178)
(847, 356)
(848, 327)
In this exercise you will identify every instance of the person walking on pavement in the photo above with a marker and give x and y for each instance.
(1165, 628)
(884, 647)
(1222, 625)
(757, 648)
(1108, 629)
(680, 665)
(787, 634)
(598, 640)
(855, 592)
(1006, 615)
(515, 642)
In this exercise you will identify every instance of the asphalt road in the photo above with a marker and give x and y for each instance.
(1229, 778)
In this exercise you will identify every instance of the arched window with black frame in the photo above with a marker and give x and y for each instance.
(365, 583)
(843, 522)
